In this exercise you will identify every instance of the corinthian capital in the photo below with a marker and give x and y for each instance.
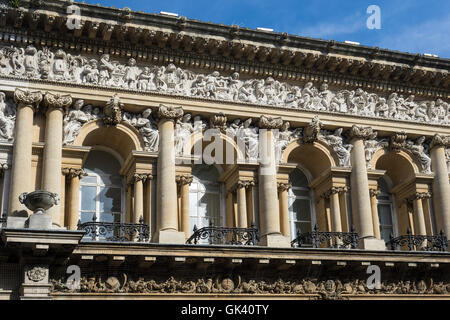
(398, 141)
(170, 113)
(71, 173)
(270, 123)
(284, 186)
(364, 133)
(57, 101)
(182, 180)
(25, 98)
(440, 141)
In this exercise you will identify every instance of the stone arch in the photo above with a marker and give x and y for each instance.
(121, 138)
(399, 165)
(314, 157)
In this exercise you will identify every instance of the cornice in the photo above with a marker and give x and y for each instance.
(159, 38)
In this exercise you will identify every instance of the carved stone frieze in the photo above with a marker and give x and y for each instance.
(102, 71)
(326, 289)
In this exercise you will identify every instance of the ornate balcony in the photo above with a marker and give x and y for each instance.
(419, 242)
(318, 239)
(115, 231)
(225, 236)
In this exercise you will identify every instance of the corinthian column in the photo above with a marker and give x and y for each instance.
(166, 188)
(241, 204)
(73, 211)
(268, 189)
(361, 205)
(441, 187)
(374, 193)
(51, 177)
(27, 103)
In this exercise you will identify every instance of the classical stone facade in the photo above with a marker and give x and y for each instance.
(203, 160)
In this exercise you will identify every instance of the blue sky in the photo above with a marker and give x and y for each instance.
(415, 26)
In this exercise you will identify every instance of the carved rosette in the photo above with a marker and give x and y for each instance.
(113, 111)
(57, 101)
(284, 186)
(359, 132)
(37, 274)
(440, 141)
(25, 98)
(170, 113)
(270, 123)
(183, 180)
(71, 173)
(398, 141)
(218, 121)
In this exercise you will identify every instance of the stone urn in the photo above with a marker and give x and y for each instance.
(39, 201)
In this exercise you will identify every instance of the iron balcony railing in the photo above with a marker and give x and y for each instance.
(318, 239)
(224, 236)
(115, 231)
(419, 242)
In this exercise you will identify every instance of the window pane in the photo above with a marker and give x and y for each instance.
(301, 210)
(385, 233)
(209, 209)
(304, 227)
(109, 200)
(89, 179)
(109, 217)
(384, 213)
(88, 195)
(86, 217)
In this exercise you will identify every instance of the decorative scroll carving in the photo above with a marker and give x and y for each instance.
(141, 177)
(71, 173)
(326, 289)
(284, 186)
(64, 67)
(184, 180)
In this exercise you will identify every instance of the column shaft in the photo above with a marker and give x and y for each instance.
(21, 168)
(284, 213)
(185, 219)
(74, 203)
(51, 177)
(420, 228)
(360, 190)
(138, 201)
(229, 205)
(335, 213)
(375, 218)
(441, 189)
(242, 207)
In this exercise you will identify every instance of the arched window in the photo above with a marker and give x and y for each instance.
(301, 210)
(101, 191)
(205, 197)
(386, 213)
